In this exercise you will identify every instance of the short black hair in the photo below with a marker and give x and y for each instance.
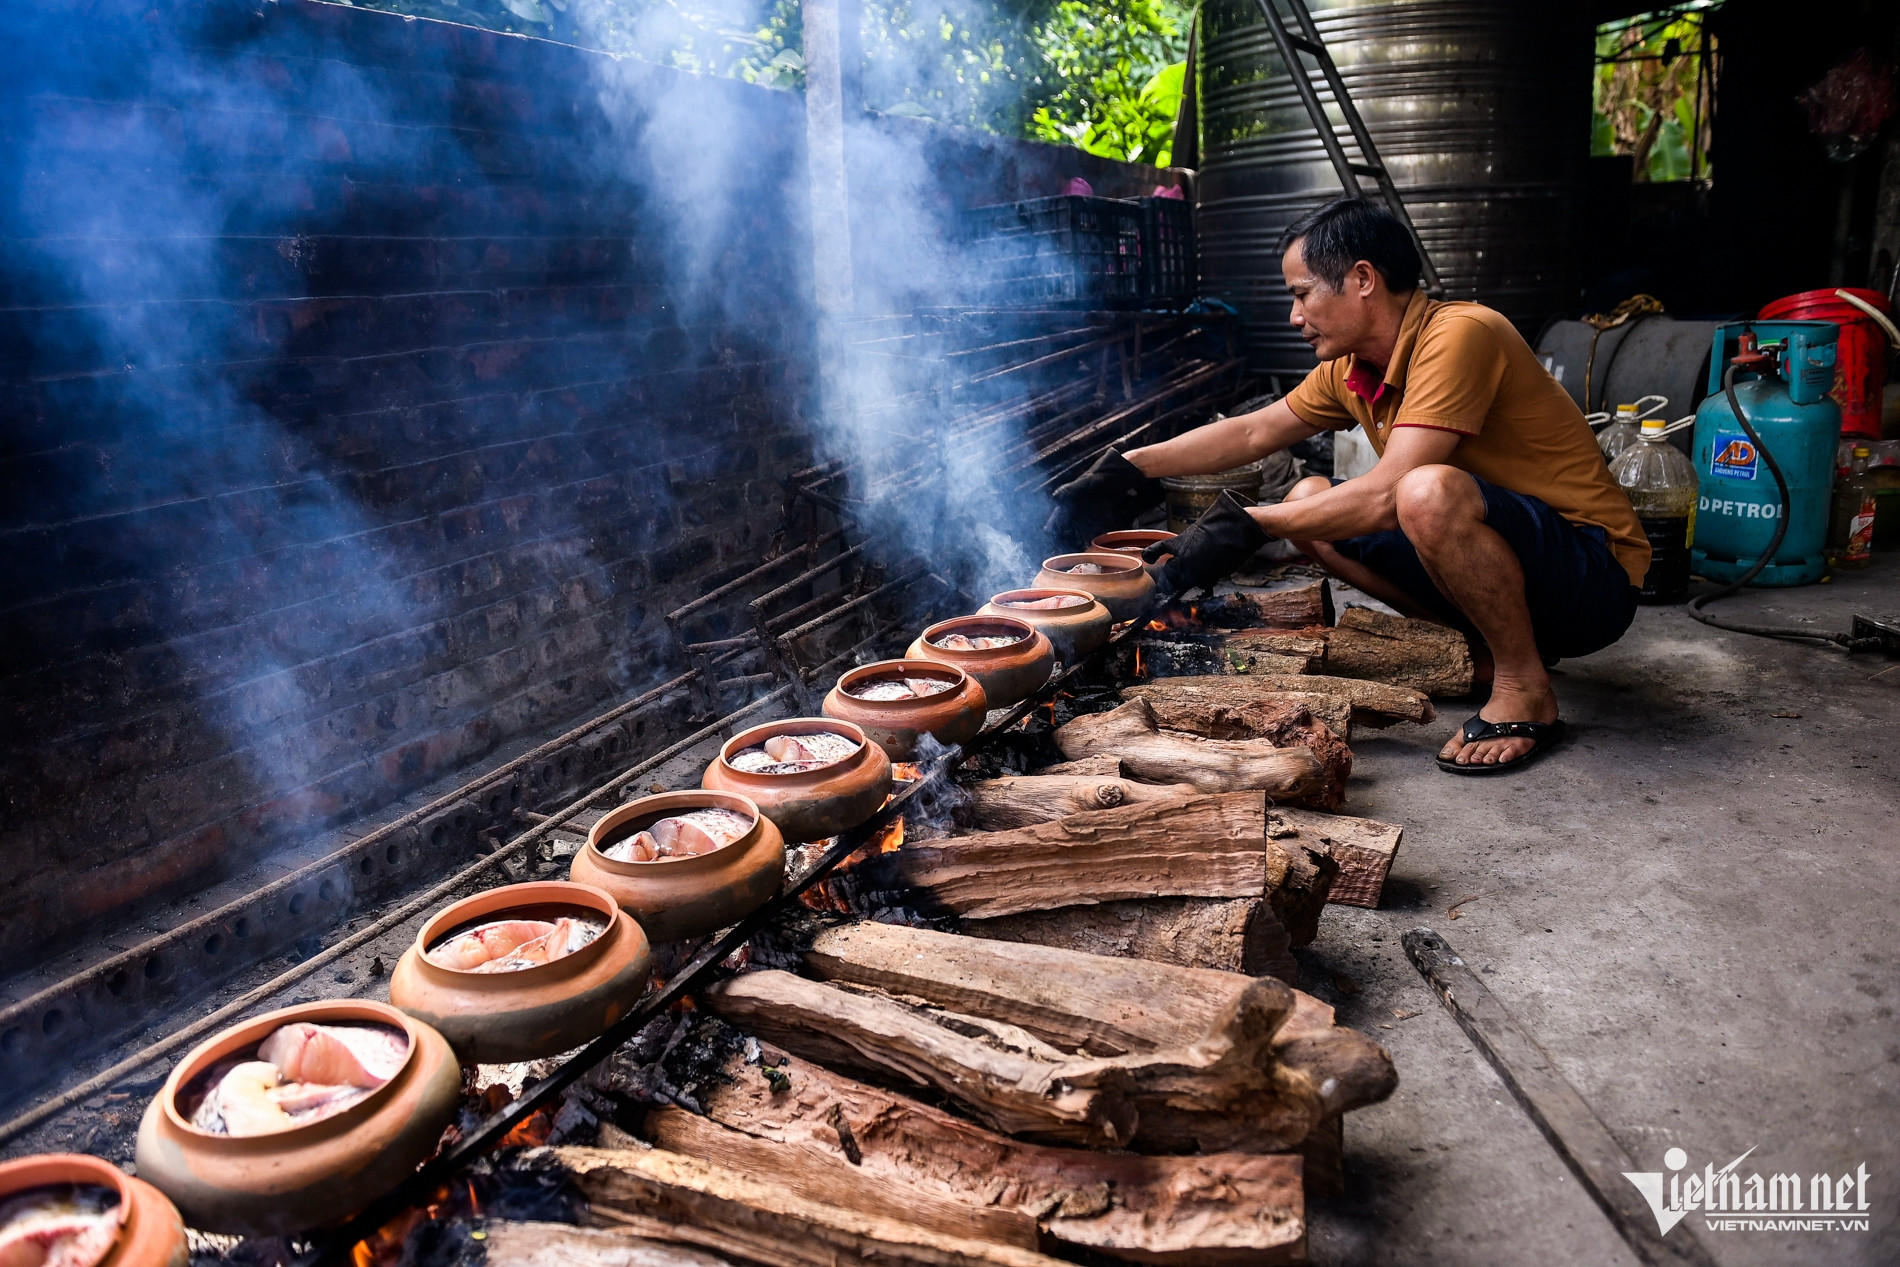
(1338, 235)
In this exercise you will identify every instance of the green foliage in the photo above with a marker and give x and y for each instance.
(1648, 81)
(1116, 76)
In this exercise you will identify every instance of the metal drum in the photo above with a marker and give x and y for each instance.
(1481, 110)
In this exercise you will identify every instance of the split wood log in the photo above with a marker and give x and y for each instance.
(1200, 846)
(1162, 653)
(1233, 935)
(1384, 648)
(1294, 608)
(510, 1244)
(1168, 1210)
(1001, 1075)
(1073, 1002)
(1302, 775)
(998, 804)
(1246, 650)
(1363, 848)
(1234, 714)
(668, 1197)
(1280, 722)
(1103, 767)
(1373, 703)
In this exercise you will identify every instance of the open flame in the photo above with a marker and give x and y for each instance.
(906, 771)
(1140, 671)
(1177, 620)
(890, 840)
(531, 1131)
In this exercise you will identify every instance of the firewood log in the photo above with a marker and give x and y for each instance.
(1001, 1075)
(1170, 1210)
(1295, 608)
(997, 804)
(1373, 703)
(664, 1196)
(1069, 1000)
(511, 1244)
(1232, 935)
(1385, 648)
(1362, 847)
(1103, 767)
(1247, 651)
(1239, 713)
(1280, 722)
(1300, 775)
(1200, 846)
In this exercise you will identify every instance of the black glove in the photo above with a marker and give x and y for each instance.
(1101, 499)
(1213, 548)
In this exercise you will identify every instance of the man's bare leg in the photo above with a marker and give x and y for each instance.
(1351, 571)
(1441, 512)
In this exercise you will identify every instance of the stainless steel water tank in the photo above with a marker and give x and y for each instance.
(1480, 108)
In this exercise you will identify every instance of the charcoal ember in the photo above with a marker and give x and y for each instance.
(783, 941)
(1170, 654)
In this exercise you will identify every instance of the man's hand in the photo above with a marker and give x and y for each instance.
(1212, 548)
(1101, 499)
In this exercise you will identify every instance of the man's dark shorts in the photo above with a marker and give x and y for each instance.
(1580, 598)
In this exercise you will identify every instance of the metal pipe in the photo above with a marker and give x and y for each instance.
(812, 626)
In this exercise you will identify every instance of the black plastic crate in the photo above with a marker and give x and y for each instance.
(1069, 249)
(1168, 270)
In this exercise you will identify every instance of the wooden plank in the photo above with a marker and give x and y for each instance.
(1228, 935)
(1565, 1117)
(1364, 848)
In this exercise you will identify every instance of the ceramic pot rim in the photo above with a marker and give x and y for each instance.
(23, 1174)
(660, 802)
(898, 669)
(790, 726)
(955, 623)
(1134, 537)
(1048, 591)
(1115, 563)
(514, 897)
(252, 1032)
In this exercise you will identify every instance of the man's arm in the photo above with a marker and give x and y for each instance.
(1362, 505)
(1222, 445)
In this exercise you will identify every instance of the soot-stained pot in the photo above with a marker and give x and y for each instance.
(677, 898)
(311, 1175)
(951, 716)
(1125, 588)
(149, 1234)
(813, 804)
(497, 1018)
(1073, 631)
(1129, 540)
(1008, 674)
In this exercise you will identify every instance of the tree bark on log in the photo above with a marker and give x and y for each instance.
(1425, 656)
(1214, 713)
(511, 1244)
(1373, 704)
(1191, 1211)
(1105, 767)
(1363, 848)
(1296, 608)
(1006, 1078)
(1233, 935)
(1018, 801)
(1302, 775)
(1145, 1006)
(667, 1197)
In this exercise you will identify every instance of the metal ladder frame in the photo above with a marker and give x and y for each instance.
(1309, 42)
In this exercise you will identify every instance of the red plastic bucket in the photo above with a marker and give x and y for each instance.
(1860, 364)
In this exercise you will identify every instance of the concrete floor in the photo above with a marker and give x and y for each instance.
(1690, 907)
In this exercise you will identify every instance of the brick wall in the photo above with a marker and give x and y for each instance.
(362, 409)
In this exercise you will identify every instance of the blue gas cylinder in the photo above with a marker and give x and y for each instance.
(1784, 396)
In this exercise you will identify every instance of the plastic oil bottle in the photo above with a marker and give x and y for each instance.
(1850, 534)
(1620, 434)
(1661, 484)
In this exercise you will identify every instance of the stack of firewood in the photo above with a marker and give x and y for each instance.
(1107, 1057)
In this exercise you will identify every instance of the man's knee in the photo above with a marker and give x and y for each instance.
(1433, 501)
(1307, 487)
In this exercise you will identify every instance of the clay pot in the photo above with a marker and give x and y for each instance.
(951, 716)
(311, 1175)
(1129, 540)
(817, 803)
(150, 1232)
(1009, 674)
(1073, 631)
(1125, 589)
(677, 898)
(497, 1018)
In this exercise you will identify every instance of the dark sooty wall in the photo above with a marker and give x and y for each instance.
(369, 392)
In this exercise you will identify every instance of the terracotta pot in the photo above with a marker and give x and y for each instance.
(1125, 589)
(150, 1232)
(817, 803)
(496, 1018)
(311, 1175)
(677, 898)
(1073, 631)
(1129, 541)
(951, 716)
(1009, 674)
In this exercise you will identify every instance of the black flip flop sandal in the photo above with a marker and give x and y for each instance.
(1543, 736)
